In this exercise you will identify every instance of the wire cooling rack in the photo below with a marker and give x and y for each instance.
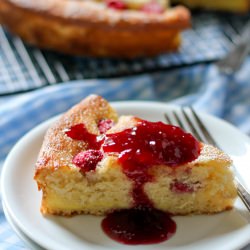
(24, 68)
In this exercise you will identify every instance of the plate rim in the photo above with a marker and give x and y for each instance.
(20, 234)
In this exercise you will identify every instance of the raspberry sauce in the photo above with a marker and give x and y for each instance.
(153, 143)
(139, 226)
(80, 133)
(146, 145)
(139, 148)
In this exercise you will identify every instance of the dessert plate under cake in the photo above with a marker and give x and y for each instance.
(228, 230)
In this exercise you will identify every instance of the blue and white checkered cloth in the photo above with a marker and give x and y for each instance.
(227, 97)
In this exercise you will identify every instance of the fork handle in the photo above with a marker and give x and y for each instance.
(243, 194)
(235, 58)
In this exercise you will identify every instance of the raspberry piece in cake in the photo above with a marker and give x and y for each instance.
(181, 187)
(104, 125)
(88, 160)
(152, 7)
(116, 4)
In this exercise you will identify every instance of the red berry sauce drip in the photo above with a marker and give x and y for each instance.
(148, 144)
(153, 143)
(145, 145)
(139, 174)
(138, 148)
(139, 226)
(79, 132)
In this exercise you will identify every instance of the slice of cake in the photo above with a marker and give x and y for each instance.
(94, 162)
(110, 28)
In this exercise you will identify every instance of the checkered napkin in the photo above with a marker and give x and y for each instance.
(202, 86)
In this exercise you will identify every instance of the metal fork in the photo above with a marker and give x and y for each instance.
(234, 59)
(198, 129)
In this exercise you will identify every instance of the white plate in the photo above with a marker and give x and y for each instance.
(228, 230)
(28, 242)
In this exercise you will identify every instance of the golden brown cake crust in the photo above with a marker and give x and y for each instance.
(58, 149)
(89, 28)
